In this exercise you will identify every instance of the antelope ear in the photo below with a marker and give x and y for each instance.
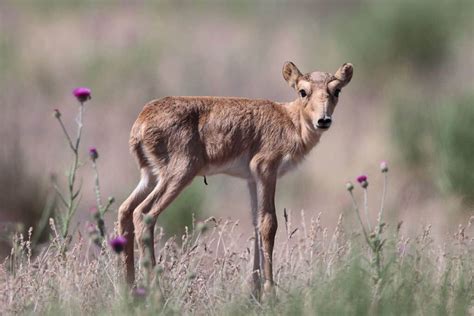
(344, 73)
(291, 74)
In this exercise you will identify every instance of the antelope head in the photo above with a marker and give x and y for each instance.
(318, 92)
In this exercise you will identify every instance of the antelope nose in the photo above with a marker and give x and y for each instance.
(324, 122)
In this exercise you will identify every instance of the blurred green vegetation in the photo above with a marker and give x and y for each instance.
(384, 35)
(405, 46)
(23, 197)
(410, 127)
(188, 205)
(440, 139)
(453, 140)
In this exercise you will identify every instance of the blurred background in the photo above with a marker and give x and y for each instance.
(411, 100)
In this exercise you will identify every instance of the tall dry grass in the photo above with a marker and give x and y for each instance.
(208, 272)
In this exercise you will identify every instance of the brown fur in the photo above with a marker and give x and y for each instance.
(177, 138)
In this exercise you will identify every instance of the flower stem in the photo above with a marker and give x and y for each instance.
(101, 210)
(366, 208)
(66, 134)
(72, 195)
(97, 188)
(382, 203)
(356, 209)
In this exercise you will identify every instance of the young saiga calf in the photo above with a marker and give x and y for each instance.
(178, 138)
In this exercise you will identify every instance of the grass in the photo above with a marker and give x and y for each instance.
(209, 272)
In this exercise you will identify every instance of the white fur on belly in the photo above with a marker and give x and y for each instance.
(238, 167)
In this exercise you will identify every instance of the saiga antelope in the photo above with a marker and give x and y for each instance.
(177, 138)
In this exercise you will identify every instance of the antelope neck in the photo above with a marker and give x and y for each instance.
(307, 135)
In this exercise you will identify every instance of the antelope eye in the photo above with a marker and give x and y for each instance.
(303, 93)
(336, 92)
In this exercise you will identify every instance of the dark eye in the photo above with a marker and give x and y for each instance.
(336, 92)
(303, 93)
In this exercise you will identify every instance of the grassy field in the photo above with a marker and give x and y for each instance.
(356, 269)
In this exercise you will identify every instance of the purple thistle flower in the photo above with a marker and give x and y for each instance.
(118, 243)
(82, 94)
(93, 154)
(139, 293)
(362, 179)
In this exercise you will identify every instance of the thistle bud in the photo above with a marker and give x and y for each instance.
(93, 154)
(349, 186)
(384, 166)
(146, 238)
(201, 227)
(56, 113)
(362, 179)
